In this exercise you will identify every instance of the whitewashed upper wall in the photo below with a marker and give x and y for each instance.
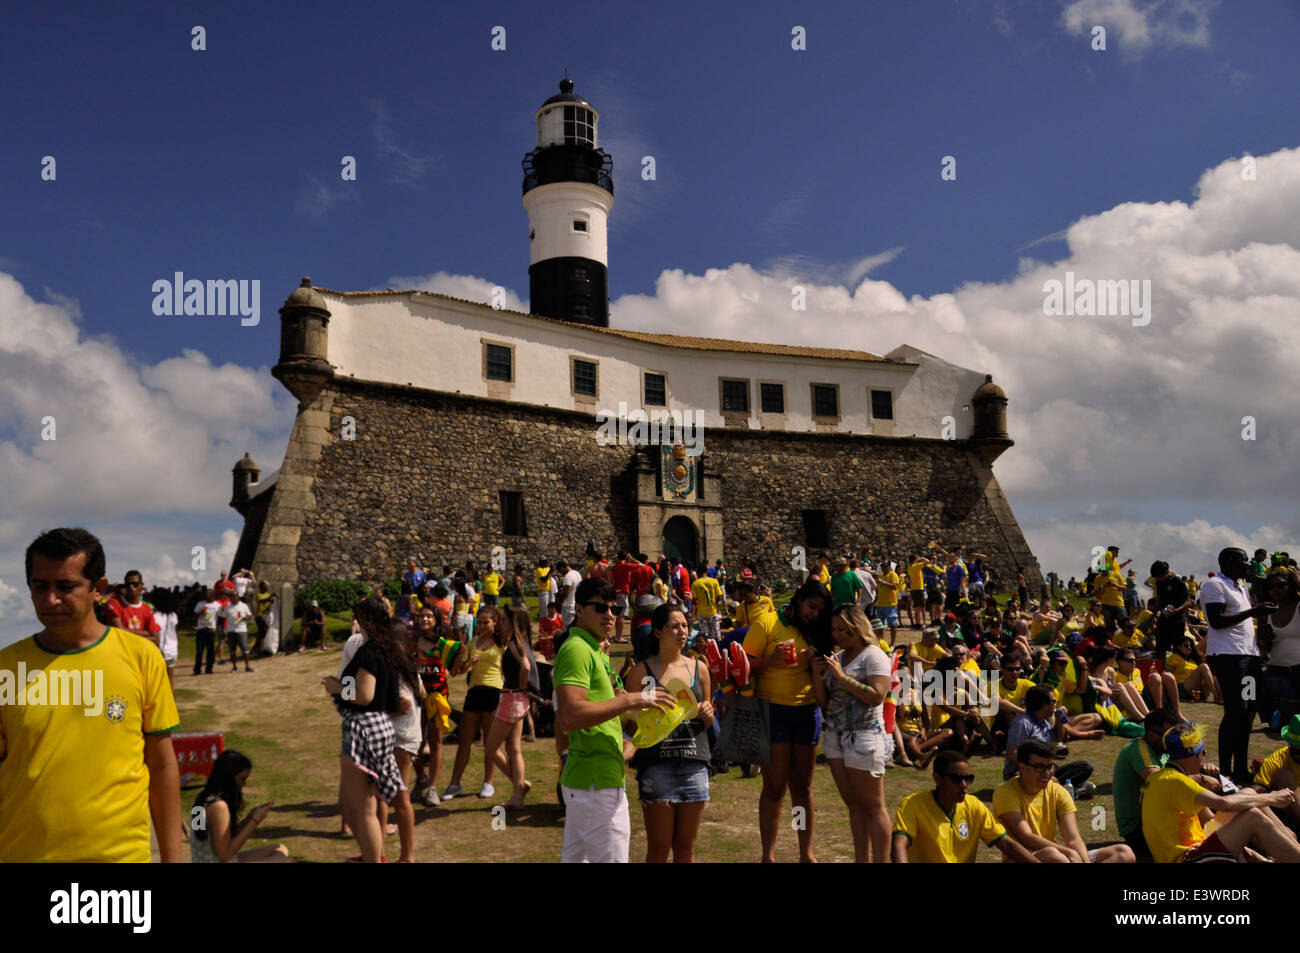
(435, 343)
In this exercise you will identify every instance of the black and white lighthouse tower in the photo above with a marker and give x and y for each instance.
(568, 192)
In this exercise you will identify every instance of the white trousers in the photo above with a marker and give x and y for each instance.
(597, 827)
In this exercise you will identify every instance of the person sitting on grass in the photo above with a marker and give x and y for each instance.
(215, 837)
(1012, 689)
(1176, 809)
(1043, 720)
(926, 652)
(1190, 673)
(1280, 771)
(1031, 806)
(912, 725)
(1123, 680)
(1137, 761)
(945, 825)
(959, 707)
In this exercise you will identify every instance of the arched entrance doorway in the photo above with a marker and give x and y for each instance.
(681, 541)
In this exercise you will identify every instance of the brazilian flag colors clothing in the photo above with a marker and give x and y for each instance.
(937, 837)
(74, 785)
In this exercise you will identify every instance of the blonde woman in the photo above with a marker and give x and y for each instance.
(850, 686)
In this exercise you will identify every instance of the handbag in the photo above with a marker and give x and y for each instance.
(746, 737)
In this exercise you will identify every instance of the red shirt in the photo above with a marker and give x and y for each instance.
(622, 576)
(642, 579)
(138, 619)
(683, 582)
(225, 590)
(549, 626)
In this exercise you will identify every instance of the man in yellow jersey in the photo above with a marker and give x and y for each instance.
(888, 584)
(946, 825)
(1280, 771)
(1175, 810)
(708, 599)
(1032, 805)
(86, 717)
(916, 583)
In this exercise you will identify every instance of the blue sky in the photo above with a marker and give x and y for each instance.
(225, 163)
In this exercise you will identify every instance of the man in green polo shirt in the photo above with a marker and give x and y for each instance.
(597, 827)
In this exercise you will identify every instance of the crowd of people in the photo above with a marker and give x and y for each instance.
(1028, 681)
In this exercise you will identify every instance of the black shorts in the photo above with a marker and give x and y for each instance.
(482, 699)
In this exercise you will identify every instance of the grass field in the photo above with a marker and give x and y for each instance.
(280, 717)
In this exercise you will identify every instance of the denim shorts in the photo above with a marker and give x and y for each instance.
(674, 782)
(861, 750)
(795, 724)
(888, 615)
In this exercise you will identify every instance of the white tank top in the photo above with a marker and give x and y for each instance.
(1286, 642)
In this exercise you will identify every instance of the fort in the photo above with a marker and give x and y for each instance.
(473, 426)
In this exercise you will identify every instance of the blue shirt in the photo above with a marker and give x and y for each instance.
(956, 574)
(415, 580)
(1023, 728)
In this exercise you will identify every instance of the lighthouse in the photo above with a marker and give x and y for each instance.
(568, 192)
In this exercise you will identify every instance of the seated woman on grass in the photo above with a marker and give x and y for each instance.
(1191, 673)
(214, 835)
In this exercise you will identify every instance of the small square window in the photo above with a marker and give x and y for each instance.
(656, 390)
(500, 367)
(584, 378)
(773, 398)
(882, 405)
(735, 396)
(579, 225)
(826, 400)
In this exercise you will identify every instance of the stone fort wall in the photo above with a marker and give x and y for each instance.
(422, 476)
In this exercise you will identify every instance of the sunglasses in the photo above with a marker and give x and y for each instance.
(959, 778)
(1041, 768)
(602, 607)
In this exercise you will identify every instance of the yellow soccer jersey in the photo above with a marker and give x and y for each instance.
(1015, 695)
(886, 597)
(935, 837)
(74, 786)
(928, 652)
(708, 596)
(1281, 758)
(1171, 818)
(1179, 667)
(747, 614)
(1041, 810)
(1135, 681)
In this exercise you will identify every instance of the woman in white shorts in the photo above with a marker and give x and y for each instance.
(851, 686)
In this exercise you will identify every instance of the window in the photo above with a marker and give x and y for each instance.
(513, 520)
(656, 390)
(500, 363)
(579, 126)
(584, 378)
(814, 529)
(735, 397)
(580, 225)
(826, 400)
(882, 405)
(773, 398)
